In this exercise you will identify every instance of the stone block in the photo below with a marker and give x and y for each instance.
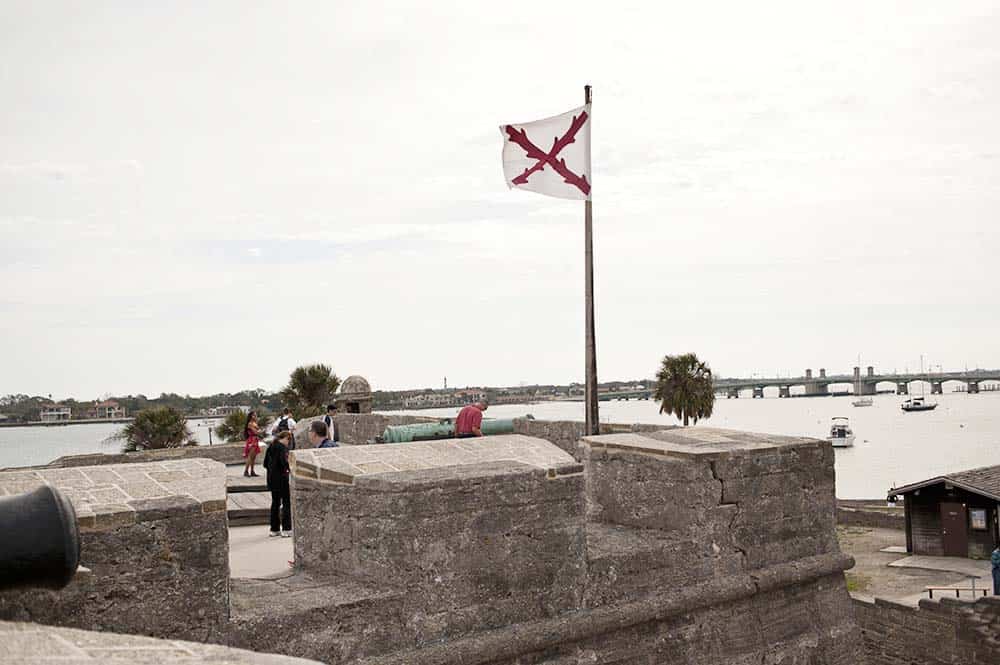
(158, 555)
(495, 525)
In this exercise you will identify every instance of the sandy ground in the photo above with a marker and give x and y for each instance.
(872, 576)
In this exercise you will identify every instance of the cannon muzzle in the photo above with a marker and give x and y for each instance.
(39, 540)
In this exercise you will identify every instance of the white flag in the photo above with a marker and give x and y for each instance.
(550, 156)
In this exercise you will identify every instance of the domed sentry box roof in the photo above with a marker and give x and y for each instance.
(355, 395)
(354, 385)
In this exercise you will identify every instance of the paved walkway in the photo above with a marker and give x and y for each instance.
(253, 553)
(876, 572)
(237, 482)
(947, 564)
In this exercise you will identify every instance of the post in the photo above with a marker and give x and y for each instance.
(592, 423)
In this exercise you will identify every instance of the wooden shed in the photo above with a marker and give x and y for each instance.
(953, 514)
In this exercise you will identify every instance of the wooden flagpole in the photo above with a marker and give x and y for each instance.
(592, 423)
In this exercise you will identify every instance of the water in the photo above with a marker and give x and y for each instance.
(28, 446)
(892, 448)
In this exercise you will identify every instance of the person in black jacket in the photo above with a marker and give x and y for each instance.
(276, 463)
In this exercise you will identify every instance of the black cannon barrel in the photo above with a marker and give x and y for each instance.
(39, 540)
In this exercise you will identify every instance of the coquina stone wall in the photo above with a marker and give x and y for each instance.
(945, 631)
(681, 546)
(566, 434)
(154, 538)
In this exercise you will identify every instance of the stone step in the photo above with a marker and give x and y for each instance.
(237, 482)
(247, 508)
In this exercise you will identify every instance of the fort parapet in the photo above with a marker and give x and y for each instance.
(691, 545)
(155, 542)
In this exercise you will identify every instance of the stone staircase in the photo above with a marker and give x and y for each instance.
(247, 500)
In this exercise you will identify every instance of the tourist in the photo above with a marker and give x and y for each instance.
(319, 435)
(995, 561)
(283, 424)
(276, 464)
(331, 426)
(251, 432)
(469, 422)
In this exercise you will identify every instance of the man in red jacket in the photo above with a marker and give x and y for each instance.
(470, 420)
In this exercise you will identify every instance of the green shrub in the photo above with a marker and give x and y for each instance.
(156, 428)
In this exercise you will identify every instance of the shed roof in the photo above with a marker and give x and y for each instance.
(984, 481)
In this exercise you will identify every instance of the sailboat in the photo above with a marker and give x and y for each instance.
(918, 403)
(860, 400)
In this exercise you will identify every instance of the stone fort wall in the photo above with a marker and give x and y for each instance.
(686, 545)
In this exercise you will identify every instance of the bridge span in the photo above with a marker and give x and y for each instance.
(820, 384)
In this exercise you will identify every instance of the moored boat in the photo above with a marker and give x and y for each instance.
(841, 434)
(917, 404)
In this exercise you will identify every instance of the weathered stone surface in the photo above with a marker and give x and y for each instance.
(686, 546)
(227, 453)
(108, 497)
(34, 644)
(566, 434)
(158, 557)
(944, 631)
(476, 524)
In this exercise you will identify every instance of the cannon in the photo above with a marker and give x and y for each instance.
(39, 540)
(443, 429)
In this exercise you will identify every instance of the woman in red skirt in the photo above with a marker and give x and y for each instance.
(252, 448)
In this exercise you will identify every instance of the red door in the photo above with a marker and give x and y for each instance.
(954, 529)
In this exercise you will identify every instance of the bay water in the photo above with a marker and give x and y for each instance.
(892, 448)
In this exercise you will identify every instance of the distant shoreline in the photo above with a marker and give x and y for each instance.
(89, 421)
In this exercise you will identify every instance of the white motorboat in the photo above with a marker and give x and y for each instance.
(841, 434)
(917, 404)
(863, 401)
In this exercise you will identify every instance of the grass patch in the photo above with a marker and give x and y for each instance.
(857, 582)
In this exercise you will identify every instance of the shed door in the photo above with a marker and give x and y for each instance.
(954, 529)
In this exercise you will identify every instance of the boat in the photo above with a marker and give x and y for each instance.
(841, 434)
(917, 404)
(860, 400)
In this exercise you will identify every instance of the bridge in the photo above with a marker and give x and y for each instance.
(816, 385)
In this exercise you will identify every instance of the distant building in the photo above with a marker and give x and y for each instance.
(105, 410)
(954, 514)
(226, 410)
(55, 413)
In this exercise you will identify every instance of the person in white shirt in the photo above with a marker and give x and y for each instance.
(331, 425)
(285, 422)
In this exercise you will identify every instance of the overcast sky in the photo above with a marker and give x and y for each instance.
(199, 198)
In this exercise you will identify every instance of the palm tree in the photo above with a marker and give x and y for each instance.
(310, 388)
(684, 388)
(154, 428)
(233, 428)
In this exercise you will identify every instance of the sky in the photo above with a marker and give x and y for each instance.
(197, 197)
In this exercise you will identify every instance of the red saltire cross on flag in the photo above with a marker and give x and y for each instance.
(563, 170)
